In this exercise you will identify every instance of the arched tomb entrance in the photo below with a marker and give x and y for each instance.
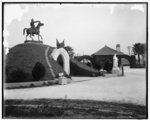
(61, 56)
(60, 61)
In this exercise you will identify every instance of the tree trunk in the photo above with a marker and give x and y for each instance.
(139, 59)
(143, 58)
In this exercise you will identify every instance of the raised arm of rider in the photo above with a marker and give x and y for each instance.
(36, 21)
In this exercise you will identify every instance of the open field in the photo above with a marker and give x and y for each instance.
(128, 89)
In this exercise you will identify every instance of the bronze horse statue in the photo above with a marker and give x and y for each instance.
(32, 31)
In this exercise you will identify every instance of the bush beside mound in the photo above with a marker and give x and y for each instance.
(80, 69)
(15, 75)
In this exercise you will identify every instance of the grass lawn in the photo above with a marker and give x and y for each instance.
(66, 108)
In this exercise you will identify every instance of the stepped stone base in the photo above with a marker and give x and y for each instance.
(63, 81)
(32, 41)
(116, 71)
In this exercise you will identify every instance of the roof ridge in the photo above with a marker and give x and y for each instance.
(106, 50)
(111, 48)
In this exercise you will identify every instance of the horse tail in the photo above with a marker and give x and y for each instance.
(24, 30)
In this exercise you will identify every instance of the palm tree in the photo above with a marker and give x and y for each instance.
(139, 49)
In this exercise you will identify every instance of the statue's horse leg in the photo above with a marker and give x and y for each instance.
(40, 36)
(25, 29)
(26, 36)
(31, 37)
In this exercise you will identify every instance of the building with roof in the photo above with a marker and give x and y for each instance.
(105, 56)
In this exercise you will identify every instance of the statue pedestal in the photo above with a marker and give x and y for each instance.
(116, 70)
(63, 81)
(32, 41)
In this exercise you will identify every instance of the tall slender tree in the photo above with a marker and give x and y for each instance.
(139, 49)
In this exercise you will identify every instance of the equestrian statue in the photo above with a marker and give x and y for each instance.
(33, 30)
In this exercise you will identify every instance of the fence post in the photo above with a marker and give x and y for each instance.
(122, 71)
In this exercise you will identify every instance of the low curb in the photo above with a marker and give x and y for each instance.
(30, 84)
(60, 81)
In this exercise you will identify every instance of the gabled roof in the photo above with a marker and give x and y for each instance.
(108, 51)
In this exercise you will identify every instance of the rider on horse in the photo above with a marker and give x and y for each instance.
(32, 24)
(33, 30)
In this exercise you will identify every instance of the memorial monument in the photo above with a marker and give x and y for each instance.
(115, 69)
(33, 61)
(33, 30)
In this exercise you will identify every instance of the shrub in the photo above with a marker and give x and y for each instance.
(108, 66)
(38, 71)
(80, 69)
(132, 61)
(16, 75)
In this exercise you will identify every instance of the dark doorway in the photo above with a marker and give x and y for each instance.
(38, 71)
(60, 61)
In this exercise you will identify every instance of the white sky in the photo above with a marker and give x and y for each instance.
(87, 28)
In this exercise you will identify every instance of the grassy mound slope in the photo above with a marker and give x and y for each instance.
(22, 58)
(80, 69)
